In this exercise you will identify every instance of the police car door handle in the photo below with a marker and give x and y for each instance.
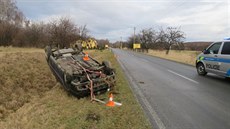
(215, 56)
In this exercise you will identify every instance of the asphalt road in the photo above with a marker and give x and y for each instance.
(173, 96)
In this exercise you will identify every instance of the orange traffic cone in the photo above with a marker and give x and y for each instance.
(111, 102)
(86, 57)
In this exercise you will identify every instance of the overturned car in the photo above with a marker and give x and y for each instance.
(78, 73)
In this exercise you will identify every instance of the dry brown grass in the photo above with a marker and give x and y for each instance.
(187, 57)
(23, 76)
(43, 103)
(18, 49)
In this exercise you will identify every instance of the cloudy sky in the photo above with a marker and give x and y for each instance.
(201, 20)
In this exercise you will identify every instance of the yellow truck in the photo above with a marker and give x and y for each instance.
(87, 44)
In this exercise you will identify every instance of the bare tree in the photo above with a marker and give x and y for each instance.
(9, 12)
(7, 33)
(11, 20)
(36, 35)
(102, 42)
(16, 30)
(161, 39)
(63, 32)
(83, 32)
(171, 36)
(148, 38)
(117, 44)
(131, 41)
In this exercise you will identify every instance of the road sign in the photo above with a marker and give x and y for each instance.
(136, 45)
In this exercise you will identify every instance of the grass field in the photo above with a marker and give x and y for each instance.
(31, 97)
(187, 57)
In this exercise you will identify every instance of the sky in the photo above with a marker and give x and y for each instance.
(200, 20)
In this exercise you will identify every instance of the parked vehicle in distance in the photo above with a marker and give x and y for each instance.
(215, 59)
(78, 72)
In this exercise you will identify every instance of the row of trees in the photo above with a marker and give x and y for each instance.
(15, 30)
(102, 42)
(170, 37)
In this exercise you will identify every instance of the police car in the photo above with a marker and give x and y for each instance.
(215, 59)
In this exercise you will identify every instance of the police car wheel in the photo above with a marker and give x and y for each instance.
(227, 78)
(201, 69)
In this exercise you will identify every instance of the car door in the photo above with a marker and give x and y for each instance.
(224, 59)
(211, 58)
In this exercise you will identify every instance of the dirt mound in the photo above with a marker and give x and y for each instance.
(22, 77)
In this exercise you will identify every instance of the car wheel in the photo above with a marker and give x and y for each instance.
(227, 78)
(106, 64)
(108, 68)
(67, 80)
(79, 47)
(201, 69)
(48, 52)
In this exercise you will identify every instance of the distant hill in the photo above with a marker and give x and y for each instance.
(196, 46)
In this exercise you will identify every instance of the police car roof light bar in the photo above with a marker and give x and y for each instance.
(227, 38)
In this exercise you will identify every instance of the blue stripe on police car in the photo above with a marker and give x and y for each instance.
(217, 59)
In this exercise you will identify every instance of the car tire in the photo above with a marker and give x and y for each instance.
(108, 68)
(106, 64)
(79, 47)
(227, 78)
(48, 52)
(201, 69)
(67, 80)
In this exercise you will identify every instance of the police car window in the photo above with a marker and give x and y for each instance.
(214, 48)
(226, 48)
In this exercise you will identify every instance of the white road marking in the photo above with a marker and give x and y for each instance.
(183, 76)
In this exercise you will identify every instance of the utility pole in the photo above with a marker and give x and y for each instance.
(121, 43)
(134, 36)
